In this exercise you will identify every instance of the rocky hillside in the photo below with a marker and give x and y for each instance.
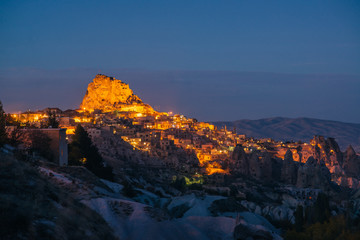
(42, 201)
(258, 200)
(32, 206)
(287, 129)
(109, 94)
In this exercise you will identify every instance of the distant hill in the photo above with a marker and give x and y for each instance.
(286, 129)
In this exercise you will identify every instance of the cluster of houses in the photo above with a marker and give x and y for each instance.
(156, 135)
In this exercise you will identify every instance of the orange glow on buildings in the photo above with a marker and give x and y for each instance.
(82, 120)
(213, 168)
(158, 133)
(70, 130)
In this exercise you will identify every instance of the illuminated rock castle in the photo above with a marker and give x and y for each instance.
(109, 94)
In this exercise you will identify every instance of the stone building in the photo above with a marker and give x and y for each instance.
(58, 144)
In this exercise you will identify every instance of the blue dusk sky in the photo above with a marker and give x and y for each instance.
(212, 60)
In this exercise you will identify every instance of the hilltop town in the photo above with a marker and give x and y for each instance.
(170, 155)
(112, 113)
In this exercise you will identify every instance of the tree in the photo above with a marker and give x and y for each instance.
(334, 228)
(83, 152)
(179, 183)
(321, 208)
(39, 143)
(3, 135)
(51, 122)
(11, 121)
(15, 134)
(299, 218)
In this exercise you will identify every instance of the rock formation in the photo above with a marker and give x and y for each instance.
(257, 164)
(344, 167)
(328, 151)
(313, 174)
(109, 94)
(254, 166)
(289, 169)
(351, 163)
(240, 161)
(248, 231)
(266, 166)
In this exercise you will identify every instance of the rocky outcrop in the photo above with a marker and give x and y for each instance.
(325, 163)
(289, 169)
(327, 150)
(240, 161)
(344, 167)
(254, 166)
(351, 164)
(258, 165)
(244, 230)
(266, 166)
(109, 94)
(313, 174)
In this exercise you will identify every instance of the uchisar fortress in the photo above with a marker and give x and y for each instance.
(180, 168)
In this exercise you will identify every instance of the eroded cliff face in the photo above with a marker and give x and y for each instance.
(324, 163)
(109, 94)
(351, 163)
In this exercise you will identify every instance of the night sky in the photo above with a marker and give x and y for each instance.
(212, 60)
